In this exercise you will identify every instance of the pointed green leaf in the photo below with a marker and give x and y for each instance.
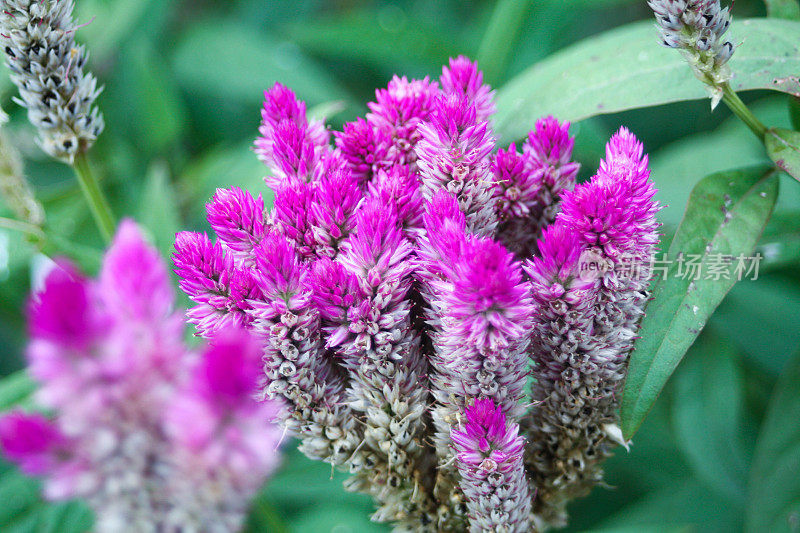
(158, 210)
(626, 69)
(774, 496)
(783, 147)
(726, 215)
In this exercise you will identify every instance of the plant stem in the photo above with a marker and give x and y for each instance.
(500, 38)
(741, 110)
(24, 227)
(94, 197)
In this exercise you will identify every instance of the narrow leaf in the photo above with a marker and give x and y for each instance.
(626, 69)
(783, 147)
(15, 388)
(725, 217)
(158, 210)
(774, 496)
(783, 9)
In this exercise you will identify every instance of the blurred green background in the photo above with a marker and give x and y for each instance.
(183, 84)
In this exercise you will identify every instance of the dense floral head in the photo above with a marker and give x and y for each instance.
(291, 216)
(489, 302)
(237, 218)
(332, 212)
(486, 441)
(697, 25)
(365, 148)
(209, 276)
(516, 183)
(403, 104)
(615, 212)
(31, 441)
(278, 272)
(549, 143)
(463, 77)
(335, 289)
(446, 232)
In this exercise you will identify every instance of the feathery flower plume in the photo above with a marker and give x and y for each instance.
(697, 28)
(398, 111)
(382, 351)
(153, 436)
(290, 145)
(332, 211)
(590, 285)
(537, 186)
(398, 188)
(366, 149)
(47, 67)
(211, 278)
(238, 221)
(463, 77)
(453, 154)
(489, 458)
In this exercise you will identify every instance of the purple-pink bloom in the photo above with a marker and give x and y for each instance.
(209, 276)
(31, 441)
(398, 188)
(291, 217)
(463, 77)
(332, 211)
(365, 148)
(517, 184)
(453, 154)
(489, 459)
(238, 220)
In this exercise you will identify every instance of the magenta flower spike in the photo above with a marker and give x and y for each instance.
(462, 77)
(238, 221)
(289, 144)
(366, 148)
(489, 452)
(453, 154)
(152, 436)
(398, 188)
(332, 211)
(398, 111)
(590, 285)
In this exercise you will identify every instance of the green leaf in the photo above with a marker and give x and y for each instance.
(726, 215)
(14, 389)
(626, 69)
(794, 111)
(784, 9)
(783, 147)
(774, 495)
(780, 244)
(158, 210)
(707, 415)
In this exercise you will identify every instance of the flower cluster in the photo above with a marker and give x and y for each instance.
(408, 281)
(47, 67)
(697, 28)
(156, 437)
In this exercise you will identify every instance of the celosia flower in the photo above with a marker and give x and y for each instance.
(462, 77)
(14, 187)
(153, 437)
(489, 458)
(453, 154)
(697, 28)
(289, 144)
(238, 220)
(590, 289)
(391, 311)
(547, 174)
(398, 111)
(47, 67)
(210, 277)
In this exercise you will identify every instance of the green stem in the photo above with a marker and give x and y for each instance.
(24, 227)
(500, 38)
(741, 110)
(94, 197)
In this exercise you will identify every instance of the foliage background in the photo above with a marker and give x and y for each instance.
(183, 85)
